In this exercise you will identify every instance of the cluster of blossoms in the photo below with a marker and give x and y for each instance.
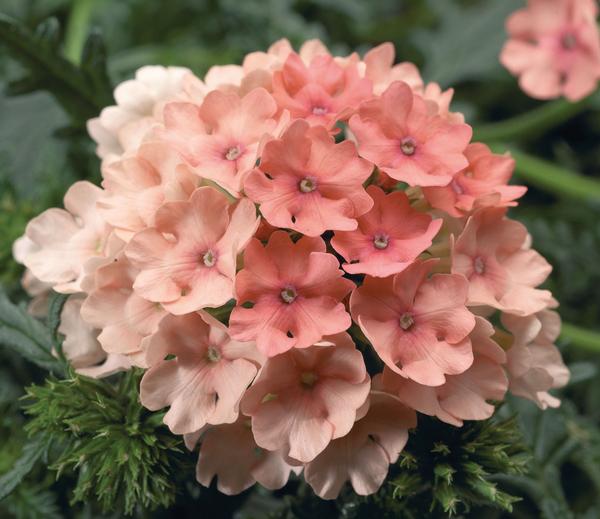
(302, 252)
(554, 48)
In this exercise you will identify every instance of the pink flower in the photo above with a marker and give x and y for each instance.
(418, 326)
(140, 101)
(229, 453)
(484, 182)
(464, 396)
(221, 138)
(303, 399)
(433, 92)
(389, 237)
(188, 260)
(80, 345)
(322, 92)
(295, 290)
(380, 69)
(124, 318)
(493, 253)
(203, 384)
(137, 186)
(534, 363)
(65, 239)
(554, 48)
(363, 456)
(399, 134)
(308, 183)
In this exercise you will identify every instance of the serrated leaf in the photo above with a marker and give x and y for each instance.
(80, 95)
(26, 336)
(32, 452)
(55, 306)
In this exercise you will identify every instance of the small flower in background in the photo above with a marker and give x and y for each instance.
(554, 48)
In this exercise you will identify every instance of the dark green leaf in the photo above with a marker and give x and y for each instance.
(32, 452)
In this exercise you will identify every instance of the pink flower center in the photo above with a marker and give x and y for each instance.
(289, 295)
(209, 258)
(307, 185)
(381, 241)
(213, 354)
(408, 146)
(406, 321)
(308, 379)
(479, 265)
(319, 110)
(233, 153)
(569, 41)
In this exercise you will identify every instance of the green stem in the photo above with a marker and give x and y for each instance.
(581, 338)
(77, 29)
(531, 124)
(545, 175)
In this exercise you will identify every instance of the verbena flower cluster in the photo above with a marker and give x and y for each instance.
(335, 214)
(554, 48)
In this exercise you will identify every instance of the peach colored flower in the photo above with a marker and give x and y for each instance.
(124, 318)
(321, 92)
(554, 48)
(188, 260)
(399, 133)
(303, 399)
(494, 254)
(389, 237)
(36, 289)
(418, 326)
(203, 384)
(442, 98)
(295, 291)
(534, 363)
(464, 396)
(65, 239)
(363, 456)
(381, 70)
(229, 453)
(137, 186)
(140, 101)
(220, 139)
(308, 183)
(484, 182)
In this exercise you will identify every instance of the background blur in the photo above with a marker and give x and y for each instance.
(43, 149)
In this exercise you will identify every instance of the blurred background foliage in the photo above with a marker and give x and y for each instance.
(44, 148)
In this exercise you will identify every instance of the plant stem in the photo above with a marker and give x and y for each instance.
(545, 175)
(77, 29)
(581, 338)
(531, 124)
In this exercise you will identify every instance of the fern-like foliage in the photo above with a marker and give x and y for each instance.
(444, 471)
(122, 456)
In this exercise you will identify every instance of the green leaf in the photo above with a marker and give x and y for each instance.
(81, 93)
(581, 371)
(32, 452)
(26, 336)
(466, 42)
(55, 307)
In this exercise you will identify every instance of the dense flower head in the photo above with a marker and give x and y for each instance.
(302, 252)
(554, 48)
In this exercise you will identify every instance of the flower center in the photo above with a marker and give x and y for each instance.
(408, 146)
(319, 110)
(456, 187)
(209, 258)
(381, 241)
(479, 265)
(308, 379)
(289, 294)
(307, 185)
(406, 321)
(213, 354)
(569, 41)
(233, 153)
